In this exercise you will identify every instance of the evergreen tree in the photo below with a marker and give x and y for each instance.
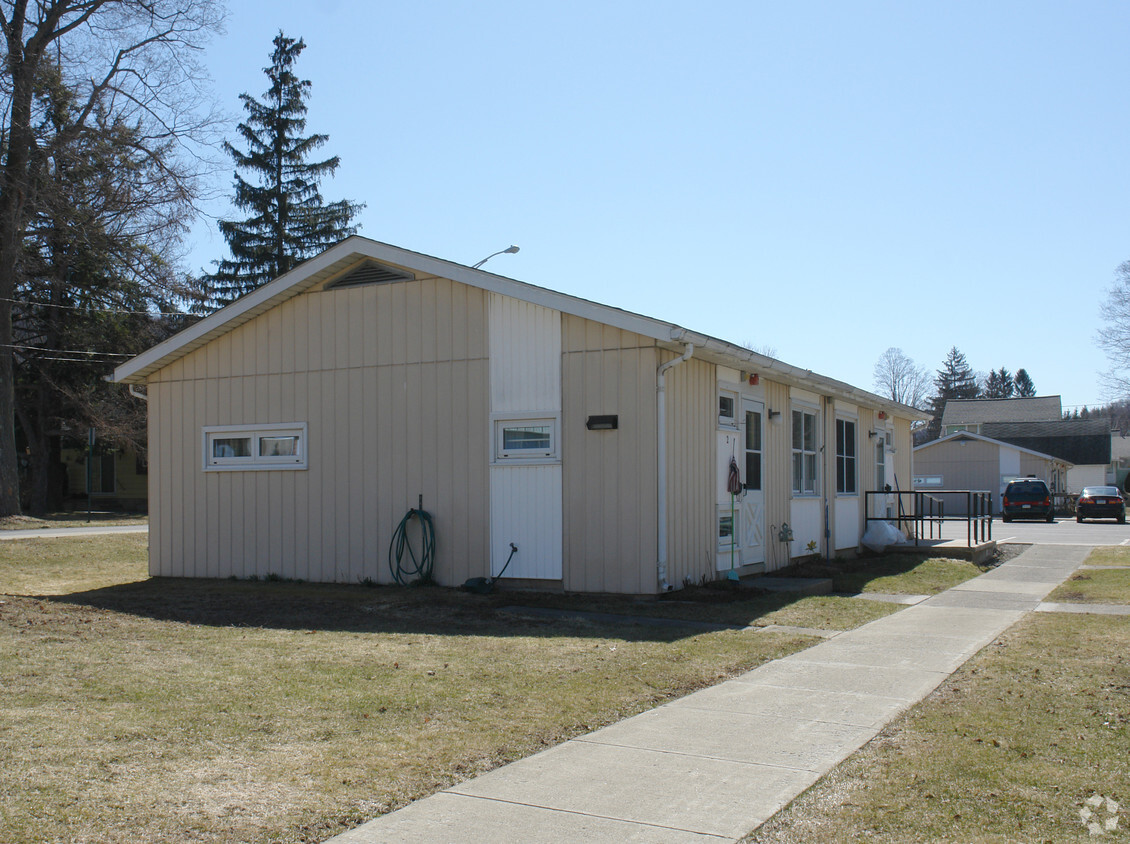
(289, 220)
(999, 384)
(1025, 388)
(955, 380)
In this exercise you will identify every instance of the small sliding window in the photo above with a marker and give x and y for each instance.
(530, 439)
(255, 447)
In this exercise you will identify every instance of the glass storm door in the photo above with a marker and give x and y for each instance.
(751, 522)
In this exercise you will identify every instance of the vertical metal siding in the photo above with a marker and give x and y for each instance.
(525, 356)
(691, 422)
(525, 377)
(525, 508)
(609, 477)
(380, 434)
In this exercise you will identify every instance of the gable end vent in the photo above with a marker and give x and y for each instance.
(371, 273)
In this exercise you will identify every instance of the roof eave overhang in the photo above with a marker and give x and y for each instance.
(338, 258)
(716, 351)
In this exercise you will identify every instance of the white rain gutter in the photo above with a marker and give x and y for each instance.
(661, 462)
(137, 394)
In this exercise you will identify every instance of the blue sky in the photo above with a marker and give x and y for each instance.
(821, 178)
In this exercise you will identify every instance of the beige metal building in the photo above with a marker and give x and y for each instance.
(292, 430)
(969, 461)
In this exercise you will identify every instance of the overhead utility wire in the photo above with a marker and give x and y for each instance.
(97, 310)
(64, 351)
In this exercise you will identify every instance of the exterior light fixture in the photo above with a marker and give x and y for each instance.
(603, 423)
(509, 250)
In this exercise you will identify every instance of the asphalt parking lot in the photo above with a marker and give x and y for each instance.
(1063, 531)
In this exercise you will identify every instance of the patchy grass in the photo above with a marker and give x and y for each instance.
(58, 566)
(1091, 586)
(75, 519)
(720, 604)
(179, 710)
(1109, 556)
(1009, 749)
(907, 574)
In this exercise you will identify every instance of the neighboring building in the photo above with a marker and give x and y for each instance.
(118, 479)
(1119, 459)
(1085, 443)
(973, 414)
(291, 431)
(969, 461)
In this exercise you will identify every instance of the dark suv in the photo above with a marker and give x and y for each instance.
(1027, 498)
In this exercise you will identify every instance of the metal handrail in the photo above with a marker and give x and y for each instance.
(928, 510)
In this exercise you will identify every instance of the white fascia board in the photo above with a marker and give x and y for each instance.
(238, 312)
(308, 274)
(668, 335)
(738, 357)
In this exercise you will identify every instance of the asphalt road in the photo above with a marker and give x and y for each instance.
(1062, 532)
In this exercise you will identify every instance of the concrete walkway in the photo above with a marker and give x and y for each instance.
(716, 764)
(52, 533)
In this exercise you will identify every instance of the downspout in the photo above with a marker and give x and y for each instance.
(133, 391)
(661, 462)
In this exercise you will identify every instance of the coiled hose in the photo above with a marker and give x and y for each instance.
(419, 569)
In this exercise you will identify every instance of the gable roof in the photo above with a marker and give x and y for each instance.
(340, 260)
(1081, 441)
(979, 411)
(969, 435)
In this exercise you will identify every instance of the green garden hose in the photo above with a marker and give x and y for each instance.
(419, 570)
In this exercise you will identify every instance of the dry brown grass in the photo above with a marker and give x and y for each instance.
(72, 520)
(1010, 749)
(176, 710)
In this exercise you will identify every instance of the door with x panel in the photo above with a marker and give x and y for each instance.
(751, 519)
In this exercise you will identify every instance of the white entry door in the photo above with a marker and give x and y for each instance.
(751, 520)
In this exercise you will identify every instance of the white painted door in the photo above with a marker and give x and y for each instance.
(751, 522)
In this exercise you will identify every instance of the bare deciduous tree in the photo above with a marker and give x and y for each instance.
(1114, 339)
(134, 59)
(900, 379)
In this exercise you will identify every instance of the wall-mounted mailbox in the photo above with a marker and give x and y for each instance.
(603, 423)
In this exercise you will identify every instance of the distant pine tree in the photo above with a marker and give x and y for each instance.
(999, 384)
(1025, 388)
(289, 220)
(955, 380)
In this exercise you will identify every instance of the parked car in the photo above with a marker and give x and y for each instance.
(1027, 498)
(1100, 502)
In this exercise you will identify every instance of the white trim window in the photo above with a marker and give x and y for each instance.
(881, 461)
(804, 451)
(727, 409)
(727, 528)
(846, 472)
(237, 448)
(526, 440)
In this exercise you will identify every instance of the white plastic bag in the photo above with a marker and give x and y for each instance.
(881, 534)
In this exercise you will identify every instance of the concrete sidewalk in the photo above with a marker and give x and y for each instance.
(716, 764)
(54, 533)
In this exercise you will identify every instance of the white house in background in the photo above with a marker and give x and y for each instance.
(292, 430)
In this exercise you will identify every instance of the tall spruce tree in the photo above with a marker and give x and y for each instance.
(955, 380)
(999, 384)
(290, 221)
(1025, 388)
